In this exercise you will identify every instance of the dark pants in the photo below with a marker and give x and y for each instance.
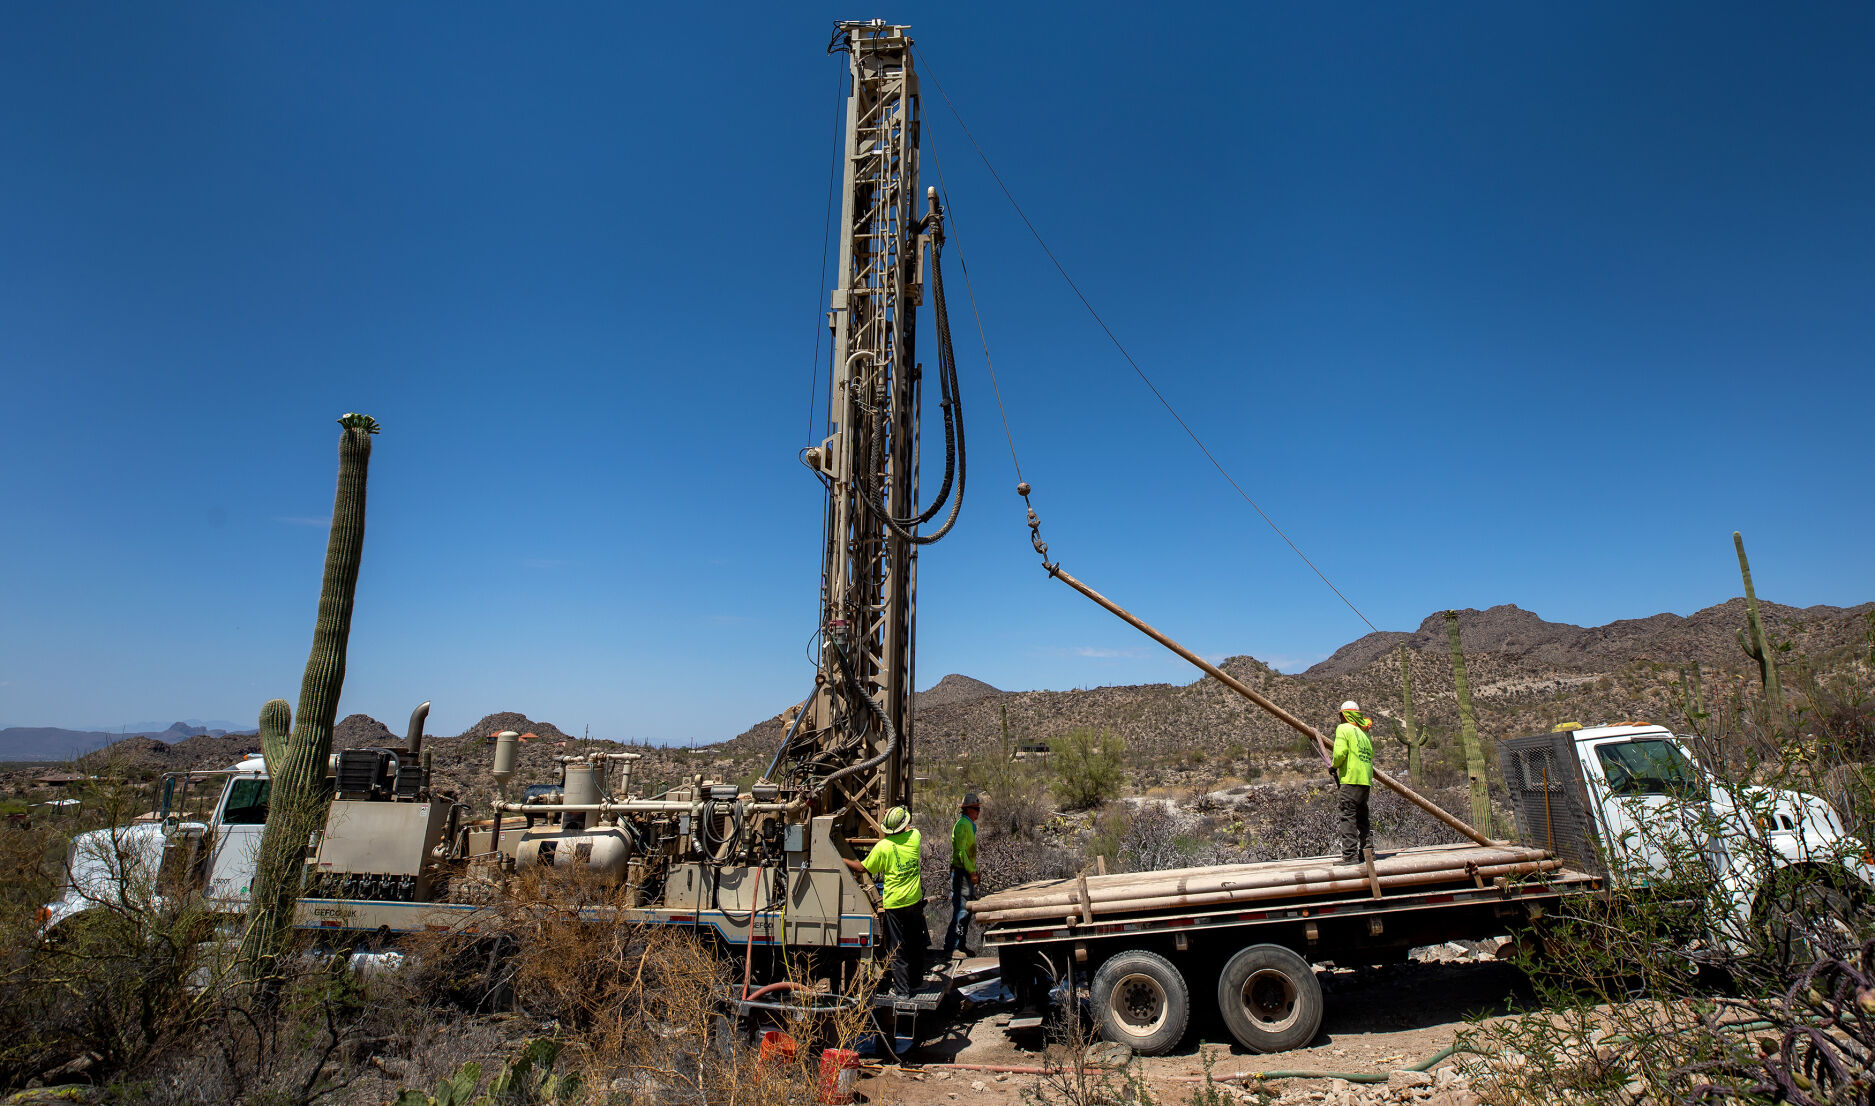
(908, 942)
(1356, 835)
(961, 892)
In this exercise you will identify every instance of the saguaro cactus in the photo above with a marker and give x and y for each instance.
(1409, 735)
(1692, 696)
(300, 793)
(1757, 646)
(1468, 732)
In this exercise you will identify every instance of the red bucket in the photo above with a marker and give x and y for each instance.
(777, 1048)
(839, 1069)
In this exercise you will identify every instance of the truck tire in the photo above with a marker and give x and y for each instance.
(1140, 1000)
(1270, 999)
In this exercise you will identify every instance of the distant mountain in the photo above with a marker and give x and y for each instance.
(1508, 630)
(53, 743)
(955, 689)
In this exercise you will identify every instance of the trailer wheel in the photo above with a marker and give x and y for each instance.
(1270, 999)
(1141, 1001)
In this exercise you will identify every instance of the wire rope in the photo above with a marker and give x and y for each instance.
(1118, 345)
(826, 232)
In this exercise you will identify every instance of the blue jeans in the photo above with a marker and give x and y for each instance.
(961, 893)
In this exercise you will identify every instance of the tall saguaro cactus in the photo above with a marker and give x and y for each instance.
(300, 792)
(1757, 646)
(1409, 736)
(1468, 732)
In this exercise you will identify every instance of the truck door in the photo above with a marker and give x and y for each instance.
(237, 829)
(1652, 802)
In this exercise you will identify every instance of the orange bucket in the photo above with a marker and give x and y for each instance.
(839, 1068)
(777, 1048)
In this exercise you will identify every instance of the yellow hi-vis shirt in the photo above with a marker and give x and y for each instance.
(896, 857)
(1354, 755)
(964, 845)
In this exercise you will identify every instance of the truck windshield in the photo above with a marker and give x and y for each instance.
(1647, 768)
(247, 803)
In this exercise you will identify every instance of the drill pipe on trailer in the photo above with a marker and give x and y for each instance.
(1222, 898)
(1114, 890)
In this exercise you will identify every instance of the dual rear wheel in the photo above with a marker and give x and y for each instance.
(1268, 996)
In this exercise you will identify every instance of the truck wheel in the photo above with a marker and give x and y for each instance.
(1270, 999)
(1141, 1001)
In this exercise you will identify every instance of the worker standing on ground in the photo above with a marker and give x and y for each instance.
(1354, 771)
(964, 876)
(896, 859)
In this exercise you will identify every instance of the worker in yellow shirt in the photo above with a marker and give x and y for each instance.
(1354, 772)
(897, 860)
(964, 877)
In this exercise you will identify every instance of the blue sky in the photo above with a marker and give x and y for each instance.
(1485, 304)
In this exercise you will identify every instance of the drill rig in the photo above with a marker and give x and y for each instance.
(762, 869)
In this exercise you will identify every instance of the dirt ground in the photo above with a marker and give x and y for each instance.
(1378, 1020)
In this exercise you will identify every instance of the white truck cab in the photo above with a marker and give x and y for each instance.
(204, 835)
(1633, 801)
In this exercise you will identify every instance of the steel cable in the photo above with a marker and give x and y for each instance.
(1118, 345)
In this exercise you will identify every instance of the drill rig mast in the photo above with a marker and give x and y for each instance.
(765, 867)
(851, 746)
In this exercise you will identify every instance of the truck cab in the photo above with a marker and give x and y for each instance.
(1633, 802)
(203, 836)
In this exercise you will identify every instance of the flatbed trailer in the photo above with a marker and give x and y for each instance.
(1150, 944)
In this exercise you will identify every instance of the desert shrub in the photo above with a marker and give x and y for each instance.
(1089, 767)
(1159, 837)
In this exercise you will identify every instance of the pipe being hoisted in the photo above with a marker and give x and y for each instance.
(1247, 692)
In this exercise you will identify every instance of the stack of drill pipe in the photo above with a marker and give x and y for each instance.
(1193, 887)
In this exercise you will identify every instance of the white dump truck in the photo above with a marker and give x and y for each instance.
(1596, 808)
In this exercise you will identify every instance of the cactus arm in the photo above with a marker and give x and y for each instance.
(276, 721)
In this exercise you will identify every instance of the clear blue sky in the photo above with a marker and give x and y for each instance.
(1487, 303)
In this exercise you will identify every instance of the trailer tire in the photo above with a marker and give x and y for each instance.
(1270, 999)
(1141, 1000)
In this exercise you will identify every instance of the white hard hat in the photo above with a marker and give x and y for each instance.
(1351, 705)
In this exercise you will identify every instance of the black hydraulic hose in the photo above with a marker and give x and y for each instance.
(788, 738)
(954, 452)
(885, 722)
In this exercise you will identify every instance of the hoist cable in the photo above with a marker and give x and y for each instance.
(1117, 344)
(826, 232)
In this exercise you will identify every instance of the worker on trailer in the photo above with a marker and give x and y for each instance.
(896, 859)
(964, 876)
(1354, 771)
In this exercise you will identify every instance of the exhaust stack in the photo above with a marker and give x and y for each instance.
(413, 737)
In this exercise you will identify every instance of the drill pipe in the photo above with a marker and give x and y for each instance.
(1120, 887)
(1257, 894)
(1282, 715)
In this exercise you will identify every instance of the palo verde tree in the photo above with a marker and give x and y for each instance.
(1468, 732)
(301, 794)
